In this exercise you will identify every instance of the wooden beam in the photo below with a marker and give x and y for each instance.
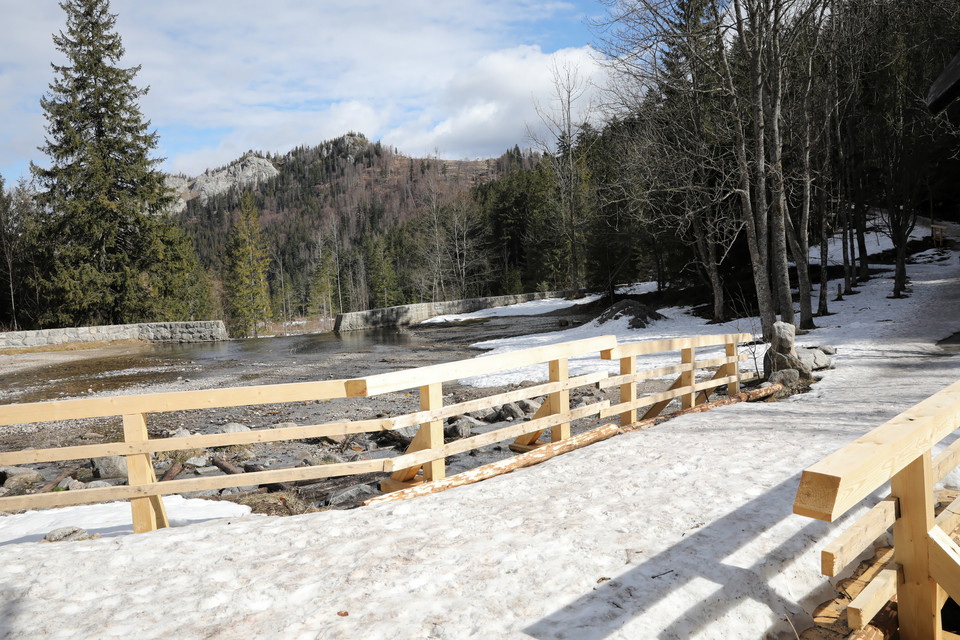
(732, 369)
(873, 598)
(916, 593)
(851, 543)
(672, 344)
(830, 487)
(407, 379)
(946, 461)
(651, 374)
(148, 512)
(662, 399)
(559, 401)
(687, 400)
(429, 436)
(173, 401)
(944, 562)
(628, 390)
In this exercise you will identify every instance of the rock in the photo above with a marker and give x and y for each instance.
(487, 415)
(784, 338)
(773, 362)
(23, 480)
(207, 471)
(248, 170)
(7, 472)
(529, 406)
(510, 411)
(333, 439)
(640, 315)
(98, 484)
(462, 428)
(830, 351)
(65, 534)
(92, 435)
(208, 493)
(355, 493)
(234, 427)
(181, 433)
(198, 461)
(71, 484)
(789, 378)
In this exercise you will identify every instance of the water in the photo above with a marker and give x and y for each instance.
(269, 360)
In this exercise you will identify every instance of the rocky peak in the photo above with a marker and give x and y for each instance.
(249, 170)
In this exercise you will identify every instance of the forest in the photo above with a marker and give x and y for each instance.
(735, 137)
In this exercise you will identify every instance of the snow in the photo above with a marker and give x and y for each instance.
(684, 530)
(532, 308)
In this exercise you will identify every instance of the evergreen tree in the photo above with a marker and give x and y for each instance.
(248, 301)
(101, 235)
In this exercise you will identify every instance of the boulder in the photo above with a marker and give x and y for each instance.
(783, 339)
(181, 433)
(198, 461)
(23, 480)
(98, 484)
(510, 411)
(356, 493)
(529, 406)
(110, 467)
(487, 415)
(7, 472)
(462, 428)
(234, 427)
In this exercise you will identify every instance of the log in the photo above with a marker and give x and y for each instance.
(554, 449)
(227, 467)
(501, 467)
(173, 471)
(746, 396)
(60, 478)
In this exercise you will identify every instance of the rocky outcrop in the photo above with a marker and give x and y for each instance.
(249, 170)
(790, 365)
(639, 314)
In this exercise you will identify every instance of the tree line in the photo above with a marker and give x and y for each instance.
(737, 135)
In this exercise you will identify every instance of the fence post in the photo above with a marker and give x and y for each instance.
(429, 436)
(917, 593)
(628, 390)
(148, 512)
(688, 400)
(559, 401)
(733, 368)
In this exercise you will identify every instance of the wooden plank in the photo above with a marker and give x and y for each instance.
(946, 461)
(844, 478)
(732, 369)
(662, 399)
(687, 400)
(491, 437)
(628, 390)
(651, 374)
(916, 592)
(148, 513)
(559, 401)
(30, 456)
(944, 562)
(851, 543)
(949, 518)
(84, 496)
(876, 595)
(672, 344)
(429, 436)
(407, 379)
(171, 401)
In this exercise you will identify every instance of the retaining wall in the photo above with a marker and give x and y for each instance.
(407, 314)
(201, 331)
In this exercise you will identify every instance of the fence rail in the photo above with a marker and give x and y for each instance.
(926, 565)
(424, 458)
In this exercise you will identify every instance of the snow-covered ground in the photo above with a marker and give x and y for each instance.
(683, 530)
(531, 308)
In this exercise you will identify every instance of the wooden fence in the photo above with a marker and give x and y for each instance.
(925, 568)
(423, 459)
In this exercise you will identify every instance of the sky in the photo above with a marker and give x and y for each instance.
(457, 79)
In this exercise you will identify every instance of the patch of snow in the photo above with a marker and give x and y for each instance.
(532, 308)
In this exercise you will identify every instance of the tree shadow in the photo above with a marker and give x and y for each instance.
(703, 563)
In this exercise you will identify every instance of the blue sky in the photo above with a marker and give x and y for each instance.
(455, 78)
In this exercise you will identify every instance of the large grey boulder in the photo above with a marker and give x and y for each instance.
(462, 427)
(110, 467)
(355, 493)
(23, 480)
(784, 338)
(510, 411)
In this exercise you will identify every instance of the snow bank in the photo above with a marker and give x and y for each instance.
(684, 530)
(532, 308)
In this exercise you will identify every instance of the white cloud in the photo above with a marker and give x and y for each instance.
(458, 77)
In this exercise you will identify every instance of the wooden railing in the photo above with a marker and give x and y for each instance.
(424, 458)
(926, 565)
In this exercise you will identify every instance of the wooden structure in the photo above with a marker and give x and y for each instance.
(936, 234)
(424, 458)
(925, 568)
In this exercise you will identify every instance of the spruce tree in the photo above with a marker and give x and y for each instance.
(248, 302)
(102, 232)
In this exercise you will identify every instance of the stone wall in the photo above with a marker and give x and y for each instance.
(202, 331)
(408, 314)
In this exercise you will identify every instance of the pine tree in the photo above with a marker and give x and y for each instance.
(102, 196)
(248, 301)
